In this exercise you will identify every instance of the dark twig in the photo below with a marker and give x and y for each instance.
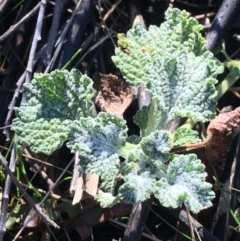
(181, 215)
(94, 46)
(150, 237)
(61, 39)
(24, 9)
(59, 5)
(15, 27)
(38, 169)
(221, 22)
(3, 6)
(222, 216)
(25, 194)
(36, 38)
(100, 65)
(137, 220)
(94, 34)
(77, 31)
(5, 200)
(12, 104)
(235, 183)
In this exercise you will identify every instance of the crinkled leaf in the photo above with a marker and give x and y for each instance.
(187, 89)
(53, 101)
(41, 135)
(157, 146)
(100, 137)
(138, 162)
(134, 139)
(141, 117)
(99, 141)
(185, 136)
(106, 200)
(174, 64)
(141, 47)
(61, 94)
(185, 184)
(106, 168)
(149, 156)
(136, 188)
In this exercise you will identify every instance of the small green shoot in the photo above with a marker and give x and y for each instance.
(71, 59)
(175, 229)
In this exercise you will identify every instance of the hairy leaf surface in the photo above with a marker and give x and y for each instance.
(136, 188)
(106, 200)
(99, 141)
(185, 183)
(179, 73)
(53, 101)
(173, 63)
(141, 117)
(183, 136)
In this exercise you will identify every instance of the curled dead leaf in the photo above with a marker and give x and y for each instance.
(113, 94)
(218, 141)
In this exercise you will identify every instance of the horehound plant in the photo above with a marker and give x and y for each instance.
(179, 73)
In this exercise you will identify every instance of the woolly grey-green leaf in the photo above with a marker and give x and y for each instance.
(53, 101)
(141, 117)
(106, 200)
(185, 183)
(183, 88)
(185, 136)
(157, 146)
(136, 188)
(134, 139)
(62, 94)
(99, 141)
(173, 63)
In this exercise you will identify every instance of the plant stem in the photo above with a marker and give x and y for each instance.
(6, 192)
(224, 86)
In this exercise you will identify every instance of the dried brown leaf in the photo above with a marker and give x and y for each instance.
(113, 95)
(217, 142)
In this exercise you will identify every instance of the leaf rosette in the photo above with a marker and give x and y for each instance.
(179, 73)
